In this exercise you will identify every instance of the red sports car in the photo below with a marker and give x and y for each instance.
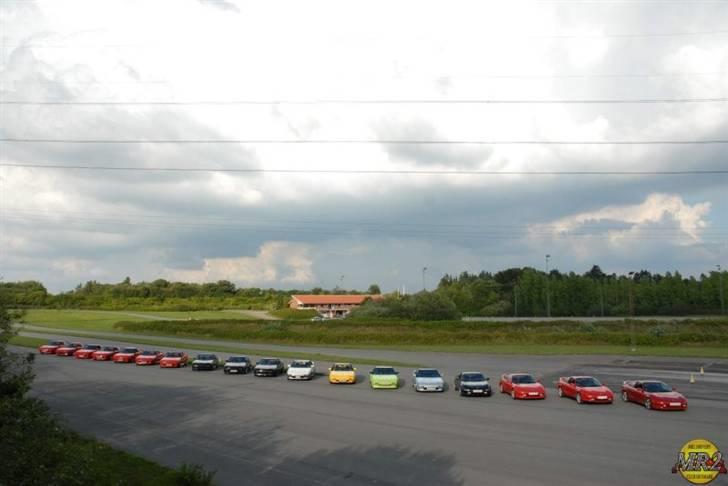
(174, 359)
(87, 351)
(522, 386)
(68, 349)
(654, 395)
(126, 355)
(148, 358)
(585, 389)
(105, 354)
(51, 347)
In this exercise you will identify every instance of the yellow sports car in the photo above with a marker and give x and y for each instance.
(342, 373)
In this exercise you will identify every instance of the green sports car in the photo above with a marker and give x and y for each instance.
(384, 377)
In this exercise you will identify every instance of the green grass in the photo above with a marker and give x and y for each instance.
(215, 348)
(294, 314)
(94, 320)
(26, 341)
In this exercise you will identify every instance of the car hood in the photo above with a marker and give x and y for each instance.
(383, 377)
(166, 358)
(235, 363)
(267, 366)
(529, 386)
(595, 389)
(671, 395)
(203, 361)
(299, 371)
(475, 383)
(342, 372)
(429, 380)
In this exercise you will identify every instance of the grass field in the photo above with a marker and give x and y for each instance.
(33, 342)
(104, 320)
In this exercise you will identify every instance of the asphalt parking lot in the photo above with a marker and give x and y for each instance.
(268, 431)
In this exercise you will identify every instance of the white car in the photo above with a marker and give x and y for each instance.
(428, 379)
(301, 369)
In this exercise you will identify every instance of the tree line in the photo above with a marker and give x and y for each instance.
(514, 292)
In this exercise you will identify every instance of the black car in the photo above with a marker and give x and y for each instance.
(473, 383)
(205, 362)
(269, 367)
(237, 365)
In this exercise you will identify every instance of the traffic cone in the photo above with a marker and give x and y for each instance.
(702, 372)
(692, 378)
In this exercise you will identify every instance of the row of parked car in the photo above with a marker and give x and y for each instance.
(520, 386)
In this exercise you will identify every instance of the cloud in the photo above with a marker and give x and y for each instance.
(427, 155)
(276, 262)
(221, 4)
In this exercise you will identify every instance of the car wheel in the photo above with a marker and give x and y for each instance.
(561, 392)
(648, 404)
(578, 398)
(624, 396)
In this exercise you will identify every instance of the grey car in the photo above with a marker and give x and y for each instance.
(237, 365)
(473, 383)
(428, 379)
(269, 367)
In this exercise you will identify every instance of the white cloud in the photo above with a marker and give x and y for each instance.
(276, 262)
(657, 209)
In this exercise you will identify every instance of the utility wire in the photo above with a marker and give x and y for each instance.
(345, 101)
(255, 170)
(264, 141)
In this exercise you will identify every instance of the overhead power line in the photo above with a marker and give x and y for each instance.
(263, 141)
(383, 101)
(376, 171)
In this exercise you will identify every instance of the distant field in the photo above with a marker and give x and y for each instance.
(661, 338)
(105, 320)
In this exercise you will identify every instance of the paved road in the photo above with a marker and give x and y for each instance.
(267, 431)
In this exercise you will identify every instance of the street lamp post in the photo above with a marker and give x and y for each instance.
(424, 284)
(633, 344)
(722, 296)
(548, 290)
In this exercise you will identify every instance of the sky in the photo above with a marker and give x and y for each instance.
(304, 215)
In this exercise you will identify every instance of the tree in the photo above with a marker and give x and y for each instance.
(374, 290)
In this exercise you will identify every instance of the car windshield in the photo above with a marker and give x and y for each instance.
(343, 367)
(206, 357)
(109, 348)
(129, 350)
(301, 364)
(173, 354)
(94, 347)
(149, 353)
(587, 382)
(656, 387)
(237, 359)
(474, 377)
(269, 361)
(56, 343)
(523, 379)
(427, 374)
(384, 371)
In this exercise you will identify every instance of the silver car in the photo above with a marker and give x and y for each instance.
(428, 379)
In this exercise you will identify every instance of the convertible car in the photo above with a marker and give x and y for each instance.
(342, 373)
(584, 389)
(522, 386)
(654, 395)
